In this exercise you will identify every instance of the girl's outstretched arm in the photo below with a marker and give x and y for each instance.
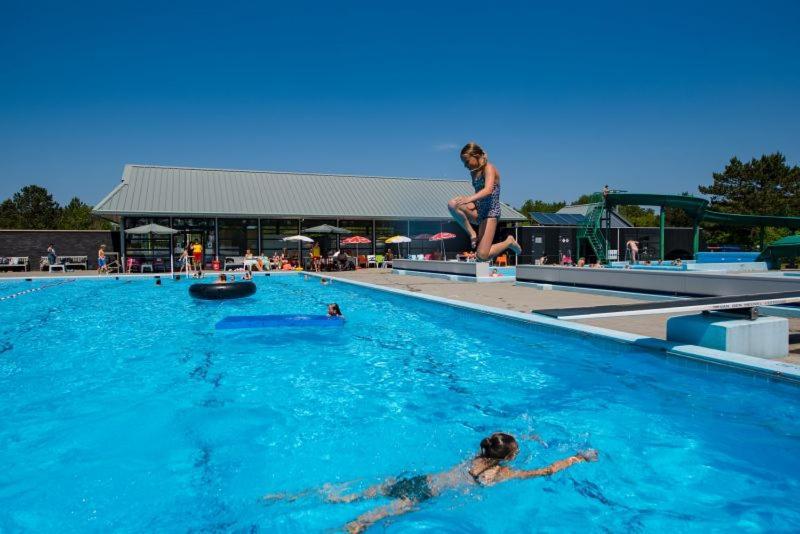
(589, 455)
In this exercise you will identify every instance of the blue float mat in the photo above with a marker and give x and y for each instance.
(271, 321)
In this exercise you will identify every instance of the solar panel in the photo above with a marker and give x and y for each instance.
(557, 219)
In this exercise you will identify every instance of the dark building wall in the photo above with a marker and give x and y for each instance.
(678, 242)
(33, 243)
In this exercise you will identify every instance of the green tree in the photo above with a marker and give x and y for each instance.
(76, 215)
(639, 216)
(531, 206)
(677, 218)
(36, 208)
(9, 216)
(765, 186)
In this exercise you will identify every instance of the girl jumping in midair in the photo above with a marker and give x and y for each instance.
(482, 208)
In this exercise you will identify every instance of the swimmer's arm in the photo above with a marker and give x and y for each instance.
(583, 456)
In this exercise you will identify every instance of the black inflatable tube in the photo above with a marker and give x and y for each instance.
(228, 290)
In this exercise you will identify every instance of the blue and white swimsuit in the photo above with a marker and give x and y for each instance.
(487, 207)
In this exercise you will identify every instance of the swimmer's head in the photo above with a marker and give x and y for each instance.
(223, 277)
(333, 310)
(499, 446)
(473, 156)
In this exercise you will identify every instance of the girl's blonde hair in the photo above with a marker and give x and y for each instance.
(472, 149)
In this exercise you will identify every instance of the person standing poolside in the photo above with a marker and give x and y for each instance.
(51, 254)
(633, 250)
(101, 260)
(485, 469)
(482, 208)
(197, 256)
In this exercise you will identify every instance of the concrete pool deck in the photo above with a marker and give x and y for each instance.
(523, 298)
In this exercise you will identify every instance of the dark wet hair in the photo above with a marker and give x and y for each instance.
(498, 446)
(336, 309)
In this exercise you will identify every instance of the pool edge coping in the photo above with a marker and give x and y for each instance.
(783, 371)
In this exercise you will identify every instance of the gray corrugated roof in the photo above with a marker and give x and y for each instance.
(617, 220)
(153, 190)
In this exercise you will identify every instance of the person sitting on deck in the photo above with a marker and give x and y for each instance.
(485, 469)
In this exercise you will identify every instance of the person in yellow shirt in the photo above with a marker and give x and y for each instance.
(316, 257)
(197, 256)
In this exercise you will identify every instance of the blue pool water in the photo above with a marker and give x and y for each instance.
(124, 409)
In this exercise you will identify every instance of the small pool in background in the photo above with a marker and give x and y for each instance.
(124, 409)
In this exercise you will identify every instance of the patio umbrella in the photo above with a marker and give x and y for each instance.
(441, 236)
(398, 239)
(156, 229)
(327, 229)
(300, 240)
(356, 240)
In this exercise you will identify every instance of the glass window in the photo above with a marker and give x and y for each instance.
(236, 236)
(272, 233)
(148, 248)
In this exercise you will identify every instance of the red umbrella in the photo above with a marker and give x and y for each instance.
(356, 240)
(441, 236)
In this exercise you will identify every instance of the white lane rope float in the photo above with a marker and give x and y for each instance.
(34, 290)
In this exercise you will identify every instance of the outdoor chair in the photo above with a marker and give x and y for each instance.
(112, 262)
(372, 261)
(362, 260)
(501, 261)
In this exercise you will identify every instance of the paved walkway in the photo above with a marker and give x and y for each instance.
(524, 299)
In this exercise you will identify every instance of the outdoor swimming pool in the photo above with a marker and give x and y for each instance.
(124, 409)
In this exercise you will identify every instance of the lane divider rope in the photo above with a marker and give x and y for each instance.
(34, 290)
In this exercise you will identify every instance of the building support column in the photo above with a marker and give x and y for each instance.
(662, 219)
(695, 238)
(516, 238)
(258, 226)
(122, 243)
(216, 239)
(761, 237)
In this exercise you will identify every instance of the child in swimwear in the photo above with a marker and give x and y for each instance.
(334, 311)
(485, 469)
(482, 208)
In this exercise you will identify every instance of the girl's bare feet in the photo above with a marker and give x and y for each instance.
(514, 246)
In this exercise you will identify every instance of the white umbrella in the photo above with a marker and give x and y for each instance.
(300, 239)
(157, 229)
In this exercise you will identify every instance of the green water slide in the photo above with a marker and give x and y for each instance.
(696, 208)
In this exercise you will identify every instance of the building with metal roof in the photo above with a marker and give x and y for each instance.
(231, 211)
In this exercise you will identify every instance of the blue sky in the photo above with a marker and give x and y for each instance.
(644, 96)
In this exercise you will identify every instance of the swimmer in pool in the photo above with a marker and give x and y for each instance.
(485, 469)
(223, 279)
(333, 310)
